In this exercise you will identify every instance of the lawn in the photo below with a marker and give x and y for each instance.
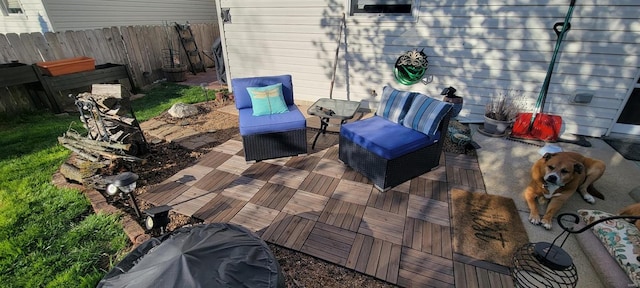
(50, 237)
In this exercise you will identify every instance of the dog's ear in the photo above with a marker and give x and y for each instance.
(578, 168)
(548, 156)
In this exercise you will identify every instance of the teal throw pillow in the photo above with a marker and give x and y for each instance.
(267, 100)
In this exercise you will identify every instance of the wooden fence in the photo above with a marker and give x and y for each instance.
(142, 48)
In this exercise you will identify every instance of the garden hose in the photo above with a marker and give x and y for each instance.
(410, 67)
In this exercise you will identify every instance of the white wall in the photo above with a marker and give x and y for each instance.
(91, 14)
(478, 46)
(33, 19)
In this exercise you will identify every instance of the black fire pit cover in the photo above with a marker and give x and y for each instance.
(211, 255)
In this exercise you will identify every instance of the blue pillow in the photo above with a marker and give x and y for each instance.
(267, 100)
(394, 104)
(425, 114)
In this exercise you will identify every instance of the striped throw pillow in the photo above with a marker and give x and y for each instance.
(394, 104)
(425, 114)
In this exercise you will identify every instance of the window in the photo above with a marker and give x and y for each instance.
(382, 7)
(12, 6)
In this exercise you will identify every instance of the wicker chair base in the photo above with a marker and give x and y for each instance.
(258, 147)
(386, 174)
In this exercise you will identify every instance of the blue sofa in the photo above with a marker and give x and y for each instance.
(402, 141)
(274, 135)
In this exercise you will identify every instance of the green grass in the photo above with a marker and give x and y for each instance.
(49, 237)
(162, 97)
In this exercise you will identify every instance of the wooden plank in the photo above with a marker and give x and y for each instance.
(459, 275)
(374, 257)
(365, 252)
(272, 229)
(286, 233)
(273, 196)
(357, 218)
(407, 237)
(215, 180)
(262, 171)
(306, 204)
(428, 267)
(213, 159)
(55, 45)
(394, 263)
(471, 276)
(428, 239)
(42, 47)
(163, 193)
(128, 37)
(307, 163)
(383, 263)
(7, 53)
(429, 210)
(354, 254)
(299, 234)
(220, 209)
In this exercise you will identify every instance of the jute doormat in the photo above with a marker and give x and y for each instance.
(486, 227)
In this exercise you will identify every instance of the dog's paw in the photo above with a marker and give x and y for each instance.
(545, 224)
(534, 219)
(589, 198)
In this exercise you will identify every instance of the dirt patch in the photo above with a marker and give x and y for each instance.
(166, 159)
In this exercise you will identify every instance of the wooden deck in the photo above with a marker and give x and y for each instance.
(319, 206)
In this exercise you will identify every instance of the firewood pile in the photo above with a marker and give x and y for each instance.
(113, 134)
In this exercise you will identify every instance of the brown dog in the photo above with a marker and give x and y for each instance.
(555, 177)
(631, 210)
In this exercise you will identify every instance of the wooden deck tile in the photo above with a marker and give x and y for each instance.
(319, 184)
(288, 230)
(262, 171)
(243, 188)
(235, 165)
(427, 237)
(375, 257)
(353, 175)
(278, 161)
(429, 188)
(342, 214)
(306, 205)
(382, 225)
(214, 159)
(330, 168)
(191, 201)
(329, 243)
(332, 154)
(390, 201)
(303, 163)
(231, 147)
(215, 180)
(438, 174)
(220, 209)
(254, 217)
(290, 177)
(353, 192)
(419, 269)
(191, 175)
(273, 196)
(163, 193)
(430, 210)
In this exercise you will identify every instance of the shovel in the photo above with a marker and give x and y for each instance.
(537, 125)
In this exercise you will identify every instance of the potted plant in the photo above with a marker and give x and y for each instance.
(500, 113)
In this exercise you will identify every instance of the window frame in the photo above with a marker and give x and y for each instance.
(7, 11)
(385, 17)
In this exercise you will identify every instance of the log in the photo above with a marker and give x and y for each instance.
(71, 172)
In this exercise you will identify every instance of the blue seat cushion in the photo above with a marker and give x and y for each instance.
(384, 138)
(292, 120)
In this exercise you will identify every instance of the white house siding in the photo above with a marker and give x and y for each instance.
(33, 19)
(92, 14)
(478, 46)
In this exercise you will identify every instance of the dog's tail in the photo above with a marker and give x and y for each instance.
(594, 192)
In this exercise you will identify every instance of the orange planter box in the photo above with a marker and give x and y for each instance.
(67, 66)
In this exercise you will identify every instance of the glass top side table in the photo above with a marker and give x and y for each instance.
(327, 109)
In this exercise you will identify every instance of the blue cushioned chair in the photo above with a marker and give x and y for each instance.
(274, 135)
